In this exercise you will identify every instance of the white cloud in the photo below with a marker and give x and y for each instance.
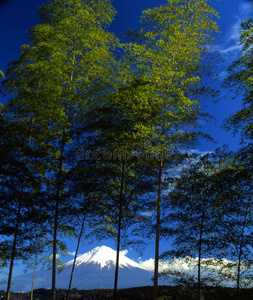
(211, 268)
(147, 213)
(233, 34)
(163, 265)
(74, 253)
(226, 50)
(51, 257)
(245, 8)
(223, 75)
(230, 49)
(124, 252)
(149, 264)
(198, 152)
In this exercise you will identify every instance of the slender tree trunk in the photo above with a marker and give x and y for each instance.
(119, 232)
(35, 266)
(57, 203)
(55, 235)
(200, 249)
(13, 252)
(158, 213)
(59, 183)
(238, 276)
(240, 254)
(74, 263)
(158, 216)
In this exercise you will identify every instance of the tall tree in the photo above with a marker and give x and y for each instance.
(240, 81)
(210, 214)
(41, 255)
(193, 210)
(166, 54)
(22, 175)
(235, 218)
(116, 170)
(68, 55)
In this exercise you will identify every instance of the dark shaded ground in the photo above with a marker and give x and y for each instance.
(172, 293)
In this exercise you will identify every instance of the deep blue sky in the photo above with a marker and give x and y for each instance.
(16, 16)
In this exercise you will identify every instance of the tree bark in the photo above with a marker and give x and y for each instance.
(59, 183)
(240, 253)
(119, 232)
(55, 242)
(200, 248)
(74, 263)
(35, 265)
(158, 216)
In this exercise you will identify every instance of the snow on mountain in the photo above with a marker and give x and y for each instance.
(94, 270)
(104, 257)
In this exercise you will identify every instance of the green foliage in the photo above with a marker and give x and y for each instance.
(68, 95)
(191, 218)
(56, 74)
(239, 204)
(240, 81)
(166, 54)
(236, 222)
(210, 204)
(165, 298)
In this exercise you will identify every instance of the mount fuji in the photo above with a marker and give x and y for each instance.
(93, 270)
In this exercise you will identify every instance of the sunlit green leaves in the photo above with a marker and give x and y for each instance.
(240, 81)
(167, 52)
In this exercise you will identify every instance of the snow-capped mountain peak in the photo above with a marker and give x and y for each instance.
(104, 257)
(94, 270)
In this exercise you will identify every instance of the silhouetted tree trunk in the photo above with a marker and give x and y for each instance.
(119, 232)
(33, 280)
(200, 247)
(240, 253)
(158, 213)
(74, 263)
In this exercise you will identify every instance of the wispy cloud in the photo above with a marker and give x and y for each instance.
(197, 152)
(245, 8)
(232, 36)
(73, 253)
(236, 47)
(222, 75)
(234, 31)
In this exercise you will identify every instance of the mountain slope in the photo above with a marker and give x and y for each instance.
(94, 270)
(103, 257)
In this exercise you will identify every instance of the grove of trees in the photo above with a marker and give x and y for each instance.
(95, 138)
